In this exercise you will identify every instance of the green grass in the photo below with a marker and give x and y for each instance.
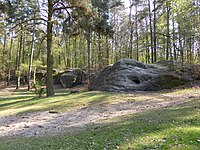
(175, 128)
(21, 102)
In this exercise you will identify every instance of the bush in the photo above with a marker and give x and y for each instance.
(40, 89)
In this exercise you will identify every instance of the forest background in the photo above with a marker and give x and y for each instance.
(91, 34)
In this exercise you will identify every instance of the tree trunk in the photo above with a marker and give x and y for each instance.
(181, 46)
(168, 36)
(151, 32)
(147, 44)
(34, 75)
(131, 32)
(99, 51)
(64, 52)
(9, 63)
(75, 53)
(19, 59)
(69, 52)
(107, 51)
(174, 43)
(31, 59)
(4, 56)
(136, 31)
(190, 50)
(154, 33)
(23, 46)
(93, 47)
(50, 88)
(88, 47)
(81, 44)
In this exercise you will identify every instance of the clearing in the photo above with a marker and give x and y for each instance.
(126, 119)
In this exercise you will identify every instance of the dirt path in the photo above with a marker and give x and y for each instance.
(53, 123)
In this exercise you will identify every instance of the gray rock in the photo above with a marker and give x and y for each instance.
(130, 75)
(56, 78)
(72, 77)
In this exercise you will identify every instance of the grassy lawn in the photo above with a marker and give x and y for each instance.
(162, 128)
(22, 102)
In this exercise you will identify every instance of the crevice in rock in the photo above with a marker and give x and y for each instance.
(136, 81)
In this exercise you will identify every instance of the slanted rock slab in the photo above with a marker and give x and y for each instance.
(129, 75)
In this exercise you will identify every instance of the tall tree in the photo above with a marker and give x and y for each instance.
(151, 31)
(131, 30)
(61, 5)
(50, 87)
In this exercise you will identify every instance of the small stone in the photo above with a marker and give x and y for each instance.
(25, 126)
(191, 97)
(39, 126)
(53, 112)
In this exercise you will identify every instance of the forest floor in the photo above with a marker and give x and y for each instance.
(22, 115)
(53, 122)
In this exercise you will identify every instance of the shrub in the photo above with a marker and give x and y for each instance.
(39, 87)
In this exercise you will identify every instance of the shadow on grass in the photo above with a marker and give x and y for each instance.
(156, 129)
(62, 101)
(166, 128)
(13, 98)
(20, 101)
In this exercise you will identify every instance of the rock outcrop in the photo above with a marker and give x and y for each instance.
(130, 75)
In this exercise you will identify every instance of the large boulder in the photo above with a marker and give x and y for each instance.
(72, 77)
(130, 75)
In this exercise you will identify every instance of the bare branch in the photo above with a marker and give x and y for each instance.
(64, 7)
(26, 21)
(55, 2)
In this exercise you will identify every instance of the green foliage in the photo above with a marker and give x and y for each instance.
(18, 73)
(24, 69)
(38, 65)
(39, 88)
